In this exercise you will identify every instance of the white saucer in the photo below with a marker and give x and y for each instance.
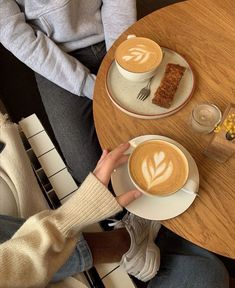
(156, 208)
(123, 92)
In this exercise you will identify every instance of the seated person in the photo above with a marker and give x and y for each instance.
(64, 42)
(49, 247)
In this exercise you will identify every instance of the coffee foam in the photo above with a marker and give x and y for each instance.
(158, 167)
(138, 54)
(156, 171)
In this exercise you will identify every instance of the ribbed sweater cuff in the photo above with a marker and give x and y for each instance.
(92, 203)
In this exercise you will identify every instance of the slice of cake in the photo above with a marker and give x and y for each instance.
(166, 91)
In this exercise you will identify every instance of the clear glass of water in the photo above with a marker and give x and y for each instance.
(205, 117)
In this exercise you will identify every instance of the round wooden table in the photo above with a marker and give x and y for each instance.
(203, 31)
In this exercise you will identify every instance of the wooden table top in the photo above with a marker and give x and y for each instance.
(203, 31)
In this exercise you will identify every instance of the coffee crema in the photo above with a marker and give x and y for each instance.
(138, 54)
(158, 167)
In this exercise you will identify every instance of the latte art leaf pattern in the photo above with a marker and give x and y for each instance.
(156, 169)
(138, 54)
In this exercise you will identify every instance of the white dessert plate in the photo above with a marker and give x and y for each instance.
(157, 208)
(123, 92)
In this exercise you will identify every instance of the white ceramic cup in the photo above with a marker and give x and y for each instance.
(139, 76)
(170, 192)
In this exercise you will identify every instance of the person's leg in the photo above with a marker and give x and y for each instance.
(185, 265)
(71, 118)
(95, 248)
(108, 247)
(92, 248)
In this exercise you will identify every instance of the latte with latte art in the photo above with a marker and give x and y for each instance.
(138, 54)
(158, 167)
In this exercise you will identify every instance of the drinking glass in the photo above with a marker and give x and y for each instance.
(205, 117)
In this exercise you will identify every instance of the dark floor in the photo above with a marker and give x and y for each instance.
(145, 7)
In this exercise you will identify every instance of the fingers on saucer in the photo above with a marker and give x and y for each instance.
(128, 197)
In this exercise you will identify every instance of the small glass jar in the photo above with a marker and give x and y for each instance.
(205, 117)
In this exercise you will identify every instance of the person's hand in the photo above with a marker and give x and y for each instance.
(109, 161)
(128, 197)
(105, 166)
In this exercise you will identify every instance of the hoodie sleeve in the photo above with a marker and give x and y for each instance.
(117, 16)
(40, 53)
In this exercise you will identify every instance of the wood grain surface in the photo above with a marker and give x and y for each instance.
(203, 31)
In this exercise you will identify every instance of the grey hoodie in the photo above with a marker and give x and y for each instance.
(40, 32)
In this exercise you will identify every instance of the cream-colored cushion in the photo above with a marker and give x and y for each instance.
(16, 170)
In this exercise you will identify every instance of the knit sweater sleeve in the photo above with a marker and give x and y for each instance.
(40, 53)
(43, 244)
(117, 16)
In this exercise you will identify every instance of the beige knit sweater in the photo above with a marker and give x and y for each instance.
(46, 240)
(43, 244)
